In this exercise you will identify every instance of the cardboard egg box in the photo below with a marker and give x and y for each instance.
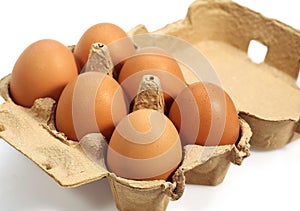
(265, 94)
(32, 132)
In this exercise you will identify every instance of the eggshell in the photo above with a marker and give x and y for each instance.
(144, 146)
(119, 44)
(152, 61)
(92, 102)
(42, 70)
(205, 114)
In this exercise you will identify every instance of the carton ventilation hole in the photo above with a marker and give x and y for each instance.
(298, 80)
(257, 51)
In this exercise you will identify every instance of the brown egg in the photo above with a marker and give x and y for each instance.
(119, 44)
(204, 114)
(152, 61)
(144, 146)
(42, 70)
(92, 102)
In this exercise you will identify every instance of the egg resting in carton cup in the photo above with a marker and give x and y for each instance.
(49, 156)
(225, 151)
(149, 96)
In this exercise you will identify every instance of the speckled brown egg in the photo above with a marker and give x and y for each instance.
(92, 102)
(118, 42)
(42, 70)
(144, 146)
(204, 114)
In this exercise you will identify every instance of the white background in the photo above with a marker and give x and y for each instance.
(266, 180)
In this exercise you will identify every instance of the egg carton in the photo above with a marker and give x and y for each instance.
(31, 131)
(265, 94)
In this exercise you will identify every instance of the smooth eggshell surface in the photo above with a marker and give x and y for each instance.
(119, 44)
(204, 114)
(42, 70)
(152, 61)
(92, 102)
(144, 146)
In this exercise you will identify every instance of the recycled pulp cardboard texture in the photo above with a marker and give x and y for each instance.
(31, 131)
(265, 94)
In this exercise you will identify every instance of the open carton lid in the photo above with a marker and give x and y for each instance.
(265, 94)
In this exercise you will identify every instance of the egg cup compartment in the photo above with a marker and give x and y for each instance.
(31, 131)
(265, 93)
(208, 165)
